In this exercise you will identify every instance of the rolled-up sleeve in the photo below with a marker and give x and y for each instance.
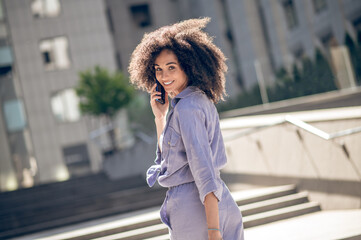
(198, 150)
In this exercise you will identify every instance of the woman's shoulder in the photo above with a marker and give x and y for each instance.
(196, 100)
(196, 103)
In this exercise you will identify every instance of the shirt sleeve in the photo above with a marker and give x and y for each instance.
(198, 150)
(154, 170)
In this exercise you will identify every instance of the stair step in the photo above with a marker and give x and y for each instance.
(280, 214)
(144, 219)
(138, 234)
(259, 206)
(154, 231)
(163, 237)
(262, 194)
(86, 216)
(275, 203)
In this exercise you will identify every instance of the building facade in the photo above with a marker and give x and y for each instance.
(47, 43)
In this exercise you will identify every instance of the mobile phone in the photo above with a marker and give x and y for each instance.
(160, 88)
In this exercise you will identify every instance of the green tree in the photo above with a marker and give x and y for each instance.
(324, 75)
(103, 94)
(355, 54)
(308, 77)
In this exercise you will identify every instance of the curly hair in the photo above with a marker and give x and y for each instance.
(201, 60)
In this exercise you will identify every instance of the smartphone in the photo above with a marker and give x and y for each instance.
(160, 88)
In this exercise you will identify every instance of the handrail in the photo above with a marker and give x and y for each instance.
(298, 123)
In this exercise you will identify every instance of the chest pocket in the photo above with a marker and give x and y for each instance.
(171, 145)
(174, 139)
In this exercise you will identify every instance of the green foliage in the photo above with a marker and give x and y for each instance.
(103, 93)
(313, 77)
(140, 113)
(355, 54)
(247, 98)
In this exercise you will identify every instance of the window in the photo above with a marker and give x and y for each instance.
(1, 11)
(75, 155)
(290, 13)
(14, 115)
(45, 8)
(141, 15)
(55, 53)
(65, 106)
(319, 5)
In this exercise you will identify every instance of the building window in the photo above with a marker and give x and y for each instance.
(141, 15)
(14, 115)
(45, 8)
(319, 5)
(290, 13)
(77, 160)
(77, 154)
(65, 106)
(55, 53)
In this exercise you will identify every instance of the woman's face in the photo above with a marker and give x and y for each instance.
(169, 73)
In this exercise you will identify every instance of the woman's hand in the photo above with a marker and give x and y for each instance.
(214, 235)
(159, 110)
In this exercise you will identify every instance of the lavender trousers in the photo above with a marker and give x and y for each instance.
(184, 214)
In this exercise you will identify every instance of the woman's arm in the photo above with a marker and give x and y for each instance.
(160, 125)
(212, 214)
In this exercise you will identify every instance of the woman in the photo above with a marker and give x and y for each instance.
(190, 152)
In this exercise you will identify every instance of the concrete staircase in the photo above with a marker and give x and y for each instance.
(258, 206)
(78, 200)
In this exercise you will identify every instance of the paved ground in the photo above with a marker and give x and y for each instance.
(324, 225)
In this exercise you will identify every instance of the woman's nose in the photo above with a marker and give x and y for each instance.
(164, 75)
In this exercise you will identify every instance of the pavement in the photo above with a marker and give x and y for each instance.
(324, 225)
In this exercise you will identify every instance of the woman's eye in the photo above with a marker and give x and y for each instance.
(158, 69)
(171, 67)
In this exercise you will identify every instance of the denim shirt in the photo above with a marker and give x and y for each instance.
(192, 145)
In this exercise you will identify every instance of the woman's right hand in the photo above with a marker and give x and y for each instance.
(159, 110)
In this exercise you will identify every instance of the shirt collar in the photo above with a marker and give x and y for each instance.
(183, 94)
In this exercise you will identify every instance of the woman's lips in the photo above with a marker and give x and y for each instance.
(168, 83)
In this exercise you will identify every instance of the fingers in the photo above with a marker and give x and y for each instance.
(154, 94)
(153, 88)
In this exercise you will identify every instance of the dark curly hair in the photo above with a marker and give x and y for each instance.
(201, 60)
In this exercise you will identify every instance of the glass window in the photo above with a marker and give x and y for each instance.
(141, 15)
(76, 154)
(45, 8)
(319, 5)
(65, 106)
(290, 13)
(55, 53)
(1, 11)
(3, 31)
(14, 115)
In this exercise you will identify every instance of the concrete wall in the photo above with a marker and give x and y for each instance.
(286, 154)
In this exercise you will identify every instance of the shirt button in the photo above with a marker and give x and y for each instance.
(168, 143)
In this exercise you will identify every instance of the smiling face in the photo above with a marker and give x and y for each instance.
(169, 73)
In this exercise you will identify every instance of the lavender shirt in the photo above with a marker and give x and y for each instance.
(192, 145)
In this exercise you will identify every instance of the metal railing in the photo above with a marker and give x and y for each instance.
(298, 123)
